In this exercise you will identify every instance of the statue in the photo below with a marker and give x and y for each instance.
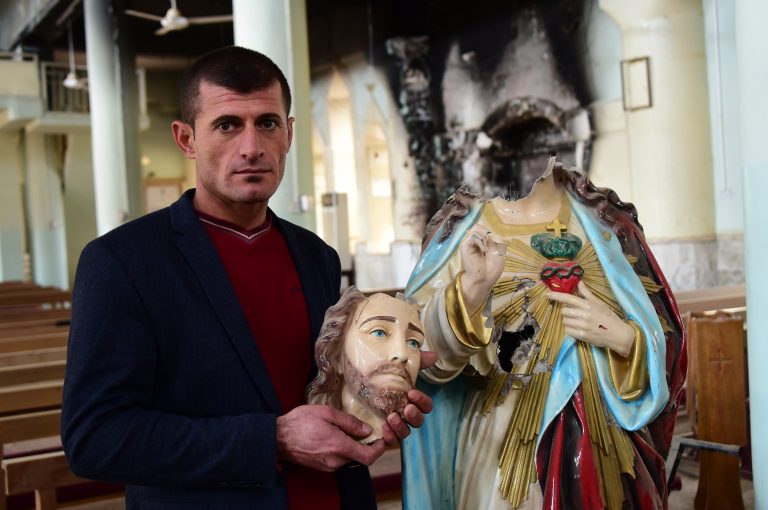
(368, 357)
(560, 354)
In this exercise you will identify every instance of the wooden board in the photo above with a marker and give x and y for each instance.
(30, 343)
(23, 427)
(32, 396)
(32, 372)
(717, 404)
(12, 359)
(32, 472)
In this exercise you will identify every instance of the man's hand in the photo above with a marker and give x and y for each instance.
(324, 438)
(395, 429)
(591, 320)
(483, 262)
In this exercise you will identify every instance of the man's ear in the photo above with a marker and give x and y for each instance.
(184, 136)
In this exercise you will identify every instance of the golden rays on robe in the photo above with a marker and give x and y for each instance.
(611, 446)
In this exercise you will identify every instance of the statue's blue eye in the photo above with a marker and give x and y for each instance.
(413, 343)
(378, 332)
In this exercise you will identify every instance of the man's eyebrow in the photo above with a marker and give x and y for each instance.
(414, 327)
(225, 118)
(379, 318)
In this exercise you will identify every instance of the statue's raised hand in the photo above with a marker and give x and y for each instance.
(589, 319)
(483, 262)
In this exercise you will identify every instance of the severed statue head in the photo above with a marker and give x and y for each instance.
(368, 356)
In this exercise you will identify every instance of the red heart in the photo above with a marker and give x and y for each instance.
(562, 276)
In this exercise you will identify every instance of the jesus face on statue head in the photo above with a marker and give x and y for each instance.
(368, 357)
(381, 354)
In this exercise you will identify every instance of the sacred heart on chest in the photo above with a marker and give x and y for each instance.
(562, 276)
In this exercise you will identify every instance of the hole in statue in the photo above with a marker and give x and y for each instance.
(514, 346)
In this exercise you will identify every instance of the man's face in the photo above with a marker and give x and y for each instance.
(239, 144)
(381, 356)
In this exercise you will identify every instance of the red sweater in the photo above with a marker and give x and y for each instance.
(268, 287)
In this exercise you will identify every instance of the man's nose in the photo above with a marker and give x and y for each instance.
(251, 146)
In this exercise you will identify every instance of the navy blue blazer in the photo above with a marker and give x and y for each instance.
(165, 389)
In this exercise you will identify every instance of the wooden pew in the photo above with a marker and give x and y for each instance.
(40, 472)
(717, 398)
(32, 330)
(34, 342)
(24, 418)
(35, 318)
(34, 299)
(16, 358)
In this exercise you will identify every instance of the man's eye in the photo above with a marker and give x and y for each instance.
(269, 124)
(225, 126)
(378, 332)
(413, 343)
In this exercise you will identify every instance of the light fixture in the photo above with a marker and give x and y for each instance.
(72, 81)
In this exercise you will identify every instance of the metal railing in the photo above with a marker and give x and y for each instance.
(18, 56)
(57, 97)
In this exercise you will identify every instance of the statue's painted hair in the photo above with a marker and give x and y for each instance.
(326, 387)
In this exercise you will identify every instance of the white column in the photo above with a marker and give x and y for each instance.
(723, 79)
(751, 41)
(670, 161)
(45, 213)
(113, 120)
(278, 28)
(11, 220)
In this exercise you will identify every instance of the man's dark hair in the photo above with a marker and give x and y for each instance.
(235, 68)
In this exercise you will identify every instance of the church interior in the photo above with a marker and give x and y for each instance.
(397, 104)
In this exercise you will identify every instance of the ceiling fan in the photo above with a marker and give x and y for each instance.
(174, 20)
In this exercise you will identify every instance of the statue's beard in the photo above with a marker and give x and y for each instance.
(382, 399)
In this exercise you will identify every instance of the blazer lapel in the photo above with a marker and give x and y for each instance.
(200, 254)
(310, 280)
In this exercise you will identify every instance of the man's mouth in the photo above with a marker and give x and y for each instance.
(252, 171)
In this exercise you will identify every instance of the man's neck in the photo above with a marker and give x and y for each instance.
(247, 216)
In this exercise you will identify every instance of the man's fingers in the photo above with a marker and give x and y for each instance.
(388, 435)
(428, 358)
(399, 427)
(568, 299)
(364, 453)
(350, 424)
(413, 416)
(422, 401)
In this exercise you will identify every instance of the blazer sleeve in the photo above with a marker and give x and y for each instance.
(109, 429)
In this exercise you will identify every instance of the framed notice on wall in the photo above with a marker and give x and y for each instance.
(159, 193)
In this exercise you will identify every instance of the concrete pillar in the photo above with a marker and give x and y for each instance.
(670, 162)
(751, 39)
(723, 79)
(278, 28)
(11, 206)
(602, 60)
(79, 201)
(114, 116)
(45, 212)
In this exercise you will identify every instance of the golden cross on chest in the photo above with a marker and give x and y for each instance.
(557, 227)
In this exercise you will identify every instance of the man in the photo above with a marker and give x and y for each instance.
(192, 327)
(368, 357)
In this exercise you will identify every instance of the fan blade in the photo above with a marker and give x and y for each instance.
(205, 20)
(143, 15)
(164, 30)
